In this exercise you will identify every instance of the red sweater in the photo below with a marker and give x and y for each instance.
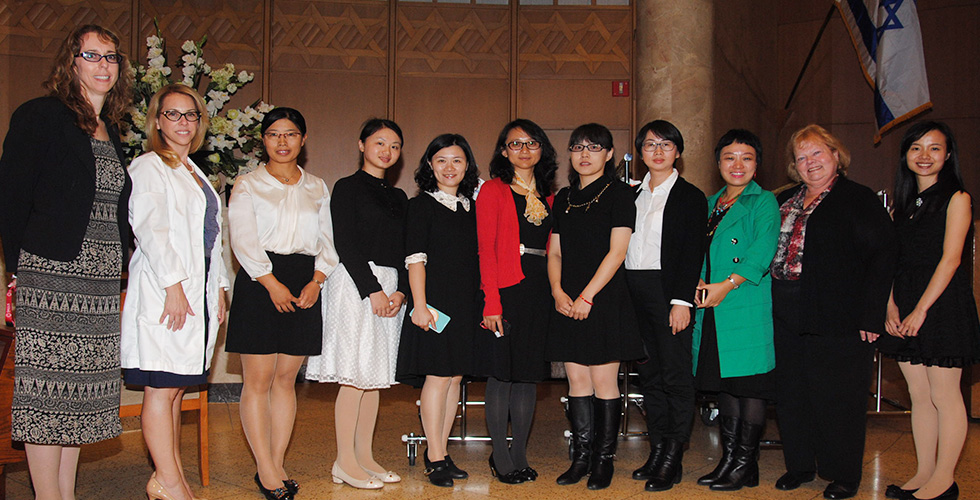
(499, 242)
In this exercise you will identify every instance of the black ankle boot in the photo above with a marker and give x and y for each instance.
(580, 416)
(728, 428)
(653, 461)
(745, 461)
(670, 470)
(607, 415)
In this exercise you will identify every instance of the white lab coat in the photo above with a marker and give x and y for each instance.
(166, 211)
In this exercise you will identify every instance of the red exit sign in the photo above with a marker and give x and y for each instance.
(621, 88)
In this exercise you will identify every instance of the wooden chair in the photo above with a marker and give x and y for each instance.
(131, 404)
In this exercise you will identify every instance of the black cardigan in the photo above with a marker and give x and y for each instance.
(849, 258)
(683, 240)
(47, 183)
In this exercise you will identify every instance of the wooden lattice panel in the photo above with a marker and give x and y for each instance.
(453, 40)
(574, 42)
(330, 35)
(37, 28)
(234, 29)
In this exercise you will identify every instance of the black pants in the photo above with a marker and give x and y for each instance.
(822, 383)
(666, 376)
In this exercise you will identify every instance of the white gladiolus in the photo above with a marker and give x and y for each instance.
(188, 46)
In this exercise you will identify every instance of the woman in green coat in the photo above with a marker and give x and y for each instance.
(733, 344)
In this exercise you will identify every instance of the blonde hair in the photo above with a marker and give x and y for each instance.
(157, 143)
(815, 133)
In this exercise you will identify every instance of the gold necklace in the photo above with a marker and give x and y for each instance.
(587, 204)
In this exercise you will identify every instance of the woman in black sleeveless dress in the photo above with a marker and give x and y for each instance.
(932, 316)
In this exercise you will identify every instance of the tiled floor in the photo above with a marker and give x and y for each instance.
(118, 469)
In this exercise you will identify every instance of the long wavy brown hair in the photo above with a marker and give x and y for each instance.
(157, 142)
(63, 82)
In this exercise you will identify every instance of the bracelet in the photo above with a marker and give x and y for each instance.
(585, 300)
(730, 280)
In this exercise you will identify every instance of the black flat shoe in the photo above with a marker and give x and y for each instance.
(951, 493)
(839, 490)
(276, 494)
(792, 480)
(528, 474)
(438, 474)
(896, 491)
(291, 486)
(454, 471)
(512, 477)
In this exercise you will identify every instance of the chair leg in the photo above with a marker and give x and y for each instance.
(202, 428)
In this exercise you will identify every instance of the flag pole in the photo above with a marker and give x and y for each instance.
(799, 78)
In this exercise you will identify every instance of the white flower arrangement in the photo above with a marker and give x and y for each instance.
(234, 143)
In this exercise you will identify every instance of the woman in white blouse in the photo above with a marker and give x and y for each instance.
(281, 233)
(175, 298)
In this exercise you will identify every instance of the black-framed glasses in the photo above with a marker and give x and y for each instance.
(175, 116)
(592, 147)
(94, 57)
(651, 146)
(518, 145)
(288, 135)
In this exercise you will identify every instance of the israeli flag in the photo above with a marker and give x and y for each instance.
(888, 42)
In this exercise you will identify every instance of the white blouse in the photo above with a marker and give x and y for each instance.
(267, 215)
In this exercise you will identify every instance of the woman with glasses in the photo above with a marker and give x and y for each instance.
(175, 298)
(595, 327)
(63, 195)
(663, 265)
(513, 216)
(282, 234)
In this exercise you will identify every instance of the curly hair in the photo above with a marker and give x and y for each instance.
(63, 81)
(544, 170)
(156, 142)
(811, 133)
(426, 178)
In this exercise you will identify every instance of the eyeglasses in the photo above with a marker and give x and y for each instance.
(593, 147)
(94, 57)
(651, 146)
(175, 116)
(274, 136)
(518, 145)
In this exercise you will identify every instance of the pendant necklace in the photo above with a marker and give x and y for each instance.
(587, 204)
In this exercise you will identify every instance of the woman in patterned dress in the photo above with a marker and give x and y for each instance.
(177, 277)
(63, 196)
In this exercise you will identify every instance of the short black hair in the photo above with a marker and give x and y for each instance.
(663, 129)
(740, 136)
(373, 125)
(598, 134)
(544, 170)
(426, 178)
(290, 114)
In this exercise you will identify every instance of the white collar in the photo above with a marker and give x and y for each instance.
(664, 186)
(449, 201)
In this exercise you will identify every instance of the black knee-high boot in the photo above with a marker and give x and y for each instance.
(607, 417)
(728, 427)
(670, 470)
(745, 460)
(580, 416)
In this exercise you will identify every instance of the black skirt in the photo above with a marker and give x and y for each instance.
(708, 377)
(256, 327)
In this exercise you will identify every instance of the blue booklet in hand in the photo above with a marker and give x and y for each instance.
(440, 319)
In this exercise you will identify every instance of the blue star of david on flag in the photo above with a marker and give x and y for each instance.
(891, 22)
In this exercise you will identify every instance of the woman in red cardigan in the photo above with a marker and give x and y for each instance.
(513, 215)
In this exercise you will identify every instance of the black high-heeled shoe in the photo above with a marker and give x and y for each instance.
(291, 486)
(276, 494)
(896, 491)
(512, 477)
(454, 471)
(529, 474)
(951, 493)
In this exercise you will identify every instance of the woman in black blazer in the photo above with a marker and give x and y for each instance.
(831, 279)
(63, 198)
(663, 266)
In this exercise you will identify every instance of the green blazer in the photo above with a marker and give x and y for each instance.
(744, 244)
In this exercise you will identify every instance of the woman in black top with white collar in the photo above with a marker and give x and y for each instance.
(363, 302)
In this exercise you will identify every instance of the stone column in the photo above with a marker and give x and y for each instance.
(673, 78)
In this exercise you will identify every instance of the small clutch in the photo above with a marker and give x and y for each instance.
(440, 319)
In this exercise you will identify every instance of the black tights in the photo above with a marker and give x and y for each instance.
(515, 400)
(749, 410)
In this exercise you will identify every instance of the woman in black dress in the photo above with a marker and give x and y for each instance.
(444, 274)
(932, 317)
(513, 221)
(592, 332)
